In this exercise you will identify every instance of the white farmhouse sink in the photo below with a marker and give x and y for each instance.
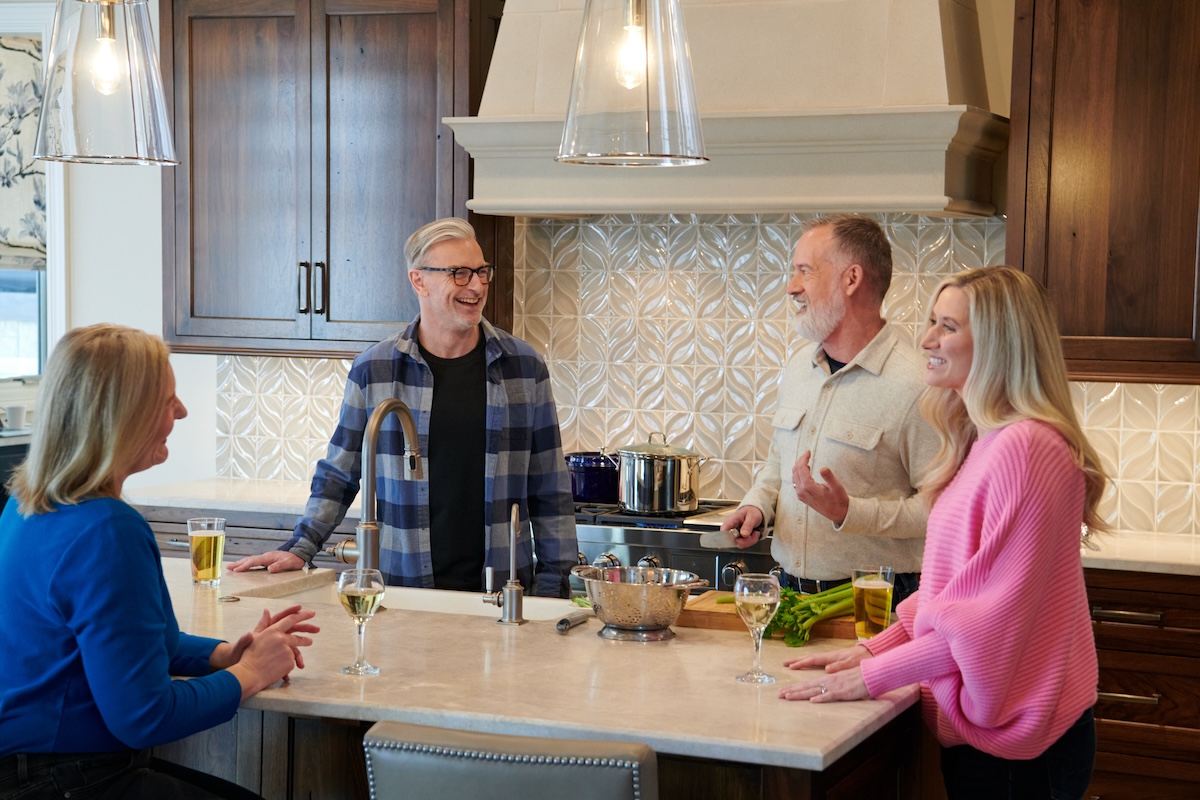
(440, 601)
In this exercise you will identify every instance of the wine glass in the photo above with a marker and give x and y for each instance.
(757, 599)
(361, 592)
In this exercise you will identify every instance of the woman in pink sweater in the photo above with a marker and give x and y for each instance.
(998, 635)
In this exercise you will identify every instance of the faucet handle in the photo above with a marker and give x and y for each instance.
(488, 579)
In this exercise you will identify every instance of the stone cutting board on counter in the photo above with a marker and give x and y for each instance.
(703, 611)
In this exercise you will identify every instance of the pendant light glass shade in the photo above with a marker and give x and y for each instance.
(103, 97)
(632, 99)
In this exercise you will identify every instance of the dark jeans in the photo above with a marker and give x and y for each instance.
(905, 584)
(128, 775)
(1063, 772)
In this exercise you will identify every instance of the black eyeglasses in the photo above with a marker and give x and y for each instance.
(462, 275)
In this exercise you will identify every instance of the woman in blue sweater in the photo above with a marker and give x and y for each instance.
(90, 637)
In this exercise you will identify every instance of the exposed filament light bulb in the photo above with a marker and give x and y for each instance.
(108, 67)
(631, 55)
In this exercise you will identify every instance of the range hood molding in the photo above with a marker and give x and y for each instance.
(806, 105)
(940, 161)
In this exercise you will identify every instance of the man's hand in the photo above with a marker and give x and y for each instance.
(746, 522)
(828, 499)
(274, 561)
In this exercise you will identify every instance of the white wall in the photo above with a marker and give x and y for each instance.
(114, 264)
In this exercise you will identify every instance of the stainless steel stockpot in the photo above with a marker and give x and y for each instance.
(656, 478)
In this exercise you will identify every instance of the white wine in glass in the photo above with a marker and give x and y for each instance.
(757, 599)
(361, 592)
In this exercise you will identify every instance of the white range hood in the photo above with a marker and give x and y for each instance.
(806, 105)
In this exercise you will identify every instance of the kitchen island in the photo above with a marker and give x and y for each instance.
(714, 736)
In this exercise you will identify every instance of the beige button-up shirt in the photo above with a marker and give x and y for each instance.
(864, 423)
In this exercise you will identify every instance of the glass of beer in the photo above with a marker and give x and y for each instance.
(872, 588)
(757, 599)
(361, 592)
(206, 539)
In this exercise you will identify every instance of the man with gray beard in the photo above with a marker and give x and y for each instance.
(850, 446)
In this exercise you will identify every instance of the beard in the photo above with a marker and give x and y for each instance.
(819, 321)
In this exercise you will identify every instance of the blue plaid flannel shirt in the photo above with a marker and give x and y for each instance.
(524, 465)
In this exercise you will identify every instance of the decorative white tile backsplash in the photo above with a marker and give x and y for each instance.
(679, 323)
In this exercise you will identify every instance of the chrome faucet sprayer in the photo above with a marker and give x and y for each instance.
(366, 534)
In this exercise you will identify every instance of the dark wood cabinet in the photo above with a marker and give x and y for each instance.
(1147, 628)
(311, 145)
(1104, 180)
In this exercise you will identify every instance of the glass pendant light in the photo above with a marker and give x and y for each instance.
(103, 97)
(632, 99)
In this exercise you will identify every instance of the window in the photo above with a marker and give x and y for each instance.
(22, 322)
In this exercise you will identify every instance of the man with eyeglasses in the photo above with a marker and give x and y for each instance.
(487, 428)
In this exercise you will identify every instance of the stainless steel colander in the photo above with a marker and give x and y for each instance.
(637, 603)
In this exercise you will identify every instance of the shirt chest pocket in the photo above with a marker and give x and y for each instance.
(787, 425)
(853, 434)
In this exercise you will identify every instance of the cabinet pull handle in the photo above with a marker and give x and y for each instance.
(1139, 699)
(1152, 617)
(322, 288)
(302, 287)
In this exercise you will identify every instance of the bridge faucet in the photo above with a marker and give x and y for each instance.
(366, 533)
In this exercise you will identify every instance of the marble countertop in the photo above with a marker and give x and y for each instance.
(468, 672)
(1170, 553)
(228, 494)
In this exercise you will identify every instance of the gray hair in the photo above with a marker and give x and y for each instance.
(441, 230)
(860, 240)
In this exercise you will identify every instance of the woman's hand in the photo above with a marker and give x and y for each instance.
(841, 679)
(832, 660)
(847, 684)
(225, 655)
(272, 649)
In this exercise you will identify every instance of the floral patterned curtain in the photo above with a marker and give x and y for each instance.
(22, 179)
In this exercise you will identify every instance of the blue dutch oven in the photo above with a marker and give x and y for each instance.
(593, 477)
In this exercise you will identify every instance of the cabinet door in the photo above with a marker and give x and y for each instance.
(239, 73)
(1104, 177)
(383, 79)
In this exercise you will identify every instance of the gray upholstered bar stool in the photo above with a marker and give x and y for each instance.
(426, 763)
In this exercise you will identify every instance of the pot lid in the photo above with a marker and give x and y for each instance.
(660, 448)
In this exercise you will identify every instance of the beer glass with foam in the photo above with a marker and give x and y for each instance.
(872, 588)
(206, 540)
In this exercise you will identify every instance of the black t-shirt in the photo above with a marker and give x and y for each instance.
(457, 439)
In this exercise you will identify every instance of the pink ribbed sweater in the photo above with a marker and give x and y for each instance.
(999, 635)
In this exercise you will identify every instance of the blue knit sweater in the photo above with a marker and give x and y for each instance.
(89, 639)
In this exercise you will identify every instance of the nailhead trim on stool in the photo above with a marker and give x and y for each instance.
(369, 743)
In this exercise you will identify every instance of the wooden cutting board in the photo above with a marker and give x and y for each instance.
(703, 611)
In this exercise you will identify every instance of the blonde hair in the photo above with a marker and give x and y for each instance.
(1017, 372)
(101, 394)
